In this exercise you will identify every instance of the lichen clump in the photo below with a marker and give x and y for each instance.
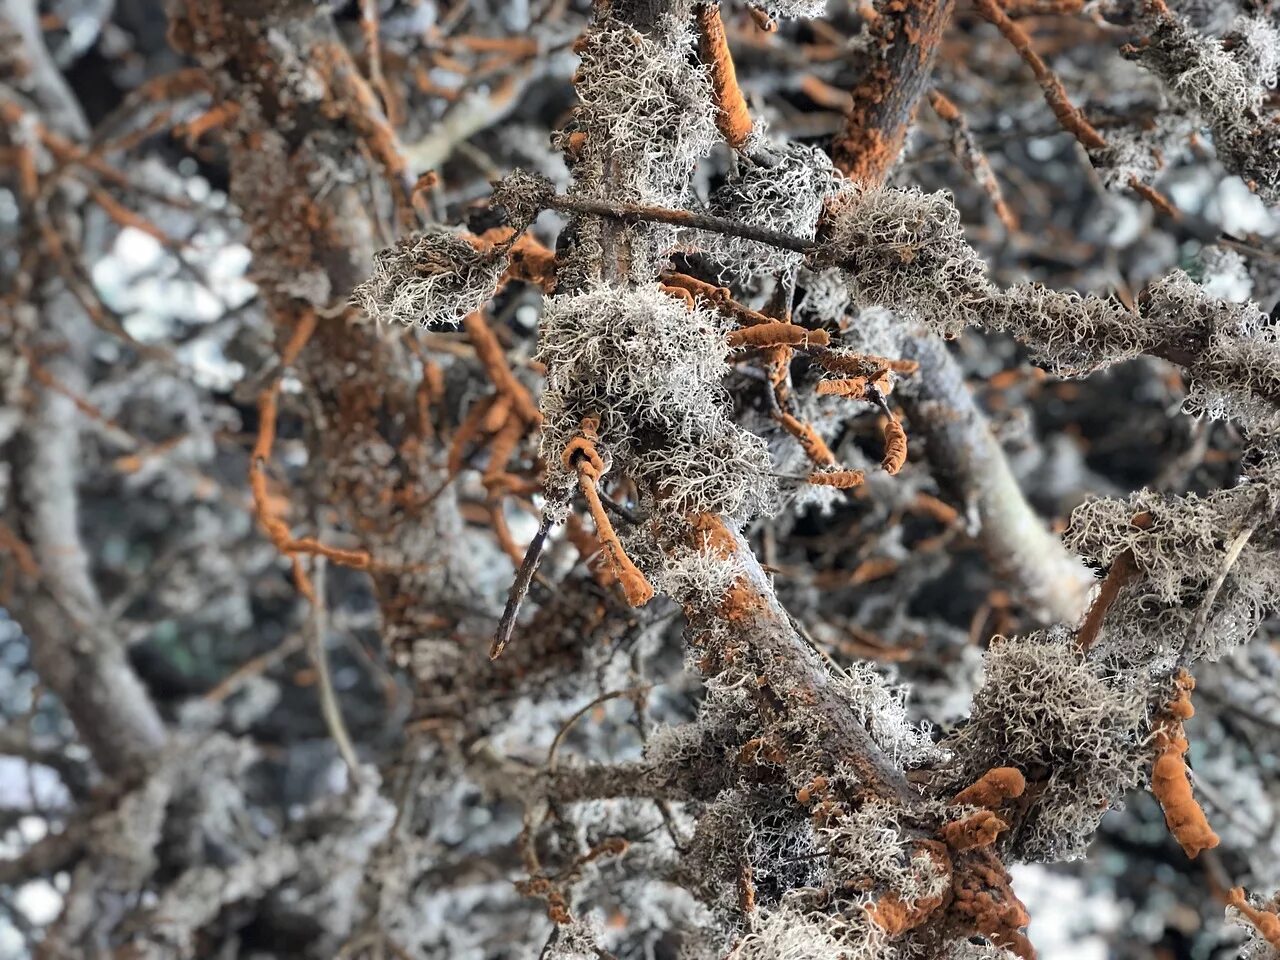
(649, 371)
(432, 278)
(1074, 734)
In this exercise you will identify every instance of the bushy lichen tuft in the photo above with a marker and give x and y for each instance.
(1075, 734)
(650, 371)
(432, 278)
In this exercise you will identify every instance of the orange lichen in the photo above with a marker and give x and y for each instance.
(590, 549)
(777, 333)
(985, 902)
(265, 507)
(494, 360)
(978, 830)
(813, 445)
(764, 748)
(1169, 782)
(852, 388)
(817, 787)
(681, 294)
(992, 789)
(1055, 94)
(840, 479)
(580, 455)
(896, 916)
(1266, 922)
(895, 447)
(971, 156)
(732, 117)
(1032, 8)
(863, 364)
(1123, 572)
(1154, 197)
(353, 100)
(746, 889)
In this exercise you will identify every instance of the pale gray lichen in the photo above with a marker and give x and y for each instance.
(1178, 550)
(430, 278)
(1046, 710)
(905, 249)
(790, 934)
(1069, 332)
(881, 708)
(741, 829)
(825, 299)
(1236, 374)
(785, 195)
(649, 370)
(871, 849)
(645, 107)
(1225, 88)
(1254, 43)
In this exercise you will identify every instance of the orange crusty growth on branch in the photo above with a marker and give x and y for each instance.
(1169, 782)
(896, 916)
(993, 788)
(814, 446)
(267, 512)
(1266, 922)
(895, 447)
(779, 333)
(732, 117)
(977, 830)
(580, 455)
(986, 903)
(840, 479)
(862, 364)
(852, 388)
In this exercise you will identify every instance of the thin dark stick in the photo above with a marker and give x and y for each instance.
(630, 212)
(520, 587)
(1200, 623)
(1123, 571)
(618, 510)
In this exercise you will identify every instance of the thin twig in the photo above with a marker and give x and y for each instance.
(1122, 573)
(583, 711)
(520, 587)
(1257, 513)
(317, 627)
(632, 212)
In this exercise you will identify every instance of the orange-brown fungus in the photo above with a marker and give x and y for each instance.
(813, 445)
(854, 388)
(1266, 922)
(840, 479)
(580, 455)
(778, 333)
(1169, 781)
(993, 788)
(978, 830)
(895, 447)
(732, 117)
(985, 900)
(896, 916)
(862, 364)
